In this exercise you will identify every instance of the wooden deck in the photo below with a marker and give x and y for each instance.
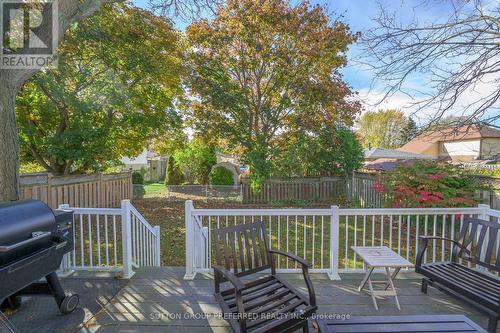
(159, 300)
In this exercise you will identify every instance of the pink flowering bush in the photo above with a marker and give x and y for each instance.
(427, 184)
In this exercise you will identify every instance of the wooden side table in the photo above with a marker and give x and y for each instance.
(384, 258)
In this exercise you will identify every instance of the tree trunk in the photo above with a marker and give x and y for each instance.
(9, 144)
(11, 81)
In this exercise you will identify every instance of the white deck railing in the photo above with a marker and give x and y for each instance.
(112, 239)
(324, 236)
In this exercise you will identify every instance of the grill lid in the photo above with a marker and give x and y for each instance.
(25, 219)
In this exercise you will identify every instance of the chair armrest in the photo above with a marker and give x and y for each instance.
(440, 238)
(305, 273)
(291, 256)
(238, 286)
(235, 281)
(425, 241)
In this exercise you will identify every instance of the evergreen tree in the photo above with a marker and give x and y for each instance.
(409, 132)
(173, 174)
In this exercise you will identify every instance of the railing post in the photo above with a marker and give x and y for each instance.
(333, 273)
(484, 211)
(66, 262)
(158, 246)
(126, 239)
(188, 208)
(483, 216)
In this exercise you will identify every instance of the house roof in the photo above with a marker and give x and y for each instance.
(376, 153)
(466, 132)
(387, 164)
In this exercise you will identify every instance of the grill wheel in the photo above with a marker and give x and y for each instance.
(69, 304)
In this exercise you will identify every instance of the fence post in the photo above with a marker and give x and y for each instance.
(158, 246)
(333, 273)
(188, 209)
(49, 191)
(130, 185)
(99, 190)
(126, 239)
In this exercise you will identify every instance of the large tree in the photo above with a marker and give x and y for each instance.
(196, 160)
(11, 80)
(382, 128)
(261, 69)
(110, 93)
(328, 151)
(455, 59)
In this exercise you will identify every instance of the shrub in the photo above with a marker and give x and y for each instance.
(173, 174)
(196, 159)
(138, 191)
(137, 178)
(427, 184)
(221, 176)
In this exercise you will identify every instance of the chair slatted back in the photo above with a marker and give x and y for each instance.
(480, 237)
(243, 248)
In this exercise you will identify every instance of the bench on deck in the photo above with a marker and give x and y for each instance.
(477, 245)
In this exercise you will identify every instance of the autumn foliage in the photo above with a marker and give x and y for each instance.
(427, 184)
(263, 73)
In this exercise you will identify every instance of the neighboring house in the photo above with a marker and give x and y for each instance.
(382, 159)
(136, 163)
(149, 162)
(467, 143)
(377, 153)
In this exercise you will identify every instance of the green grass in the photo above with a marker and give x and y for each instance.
(286, 234)
(154, 188)
(169, 215)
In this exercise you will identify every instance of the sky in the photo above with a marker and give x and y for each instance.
(359, 15)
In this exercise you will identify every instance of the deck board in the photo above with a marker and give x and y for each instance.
(153, 300)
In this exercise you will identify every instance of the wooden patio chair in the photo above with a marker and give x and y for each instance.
(264, 304)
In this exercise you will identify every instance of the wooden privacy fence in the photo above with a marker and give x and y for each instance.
(359, 188)
(97, 190)
(310, 188)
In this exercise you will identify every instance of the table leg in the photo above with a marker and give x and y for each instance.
(365, 279)
(370, 286)
(389, 277)
(394, 274)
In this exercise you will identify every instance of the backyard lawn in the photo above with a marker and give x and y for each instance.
(169, 215)
(154, 188)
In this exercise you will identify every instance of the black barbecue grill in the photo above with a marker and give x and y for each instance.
(33, 241)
